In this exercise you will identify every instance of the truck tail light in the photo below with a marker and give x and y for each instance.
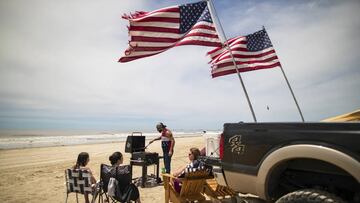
(221, 146)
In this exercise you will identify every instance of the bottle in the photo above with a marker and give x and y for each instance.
(163, 170)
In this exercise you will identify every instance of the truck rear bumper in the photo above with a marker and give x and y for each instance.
(244, 183)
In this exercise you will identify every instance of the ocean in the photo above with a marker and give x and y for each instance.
(41, 140)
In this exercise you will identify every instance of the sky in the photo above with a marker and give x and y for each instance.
(59, 69)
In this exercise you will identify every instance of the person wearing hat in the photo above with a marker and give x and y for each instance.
(167, 144)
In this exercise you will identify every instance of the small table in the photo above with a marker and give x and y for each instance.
(144, 166)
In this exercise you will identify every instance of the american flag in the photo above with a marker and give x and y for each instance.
(154, 32)
(251, 52)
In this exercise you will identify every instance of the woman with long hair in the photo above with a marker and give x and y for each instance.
(194, 164)
(81, 162)
(193, 156)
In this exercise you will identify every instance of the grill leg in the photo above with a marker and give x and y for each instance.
(144, 174)
(157, 171)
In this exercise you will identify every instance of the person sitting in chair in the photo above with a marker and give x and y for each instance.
(126, 191)
(81, 162)
(193, 165)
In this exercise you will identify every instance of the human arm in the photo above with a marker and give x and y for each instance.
(93, 179)
(172, 142)
(179, 171)
(158, 138)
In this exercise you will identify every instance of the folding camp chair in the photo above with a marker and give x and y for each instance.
(78, 181)
(192, 187)
(122, 174)
(218, 192)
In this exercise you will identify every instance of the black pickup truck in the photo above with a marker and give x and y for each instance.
(290, 162)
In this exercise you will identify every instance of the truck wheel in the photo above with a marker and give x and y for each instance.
(310, 196)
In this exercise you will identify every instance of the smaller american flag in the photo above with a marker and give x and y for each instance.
(251, 52)
(154, 32)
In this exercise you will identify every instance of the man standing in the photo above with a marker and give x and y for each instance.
(167, 144)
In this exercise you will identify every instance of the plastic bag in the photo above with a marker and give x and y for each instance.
(113, 183)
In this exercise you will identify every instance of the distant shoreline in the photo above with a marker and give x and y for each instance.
(45, 133)
(39, 141)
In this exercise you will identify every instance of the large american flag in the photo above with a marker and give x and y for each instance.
(251, 52)
(154, 32)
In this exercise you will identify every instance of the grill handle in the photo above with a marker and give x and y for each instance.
(136, 133)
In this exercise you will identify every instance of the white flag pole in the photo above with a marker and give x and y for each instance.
(224, 41)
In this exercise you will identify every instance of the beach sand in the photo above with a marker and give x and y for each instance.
(37, 174)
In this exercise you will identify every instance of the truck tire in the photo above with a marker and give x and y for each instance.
(310, 196)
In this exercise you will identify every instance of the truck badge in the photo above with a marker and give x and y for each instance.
(235, 144)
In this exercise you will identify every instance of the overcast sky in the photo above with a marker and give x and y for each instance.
(59, 69)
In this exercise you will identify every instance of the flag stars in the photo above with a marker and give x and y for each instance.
(258, 41)
(193, 13)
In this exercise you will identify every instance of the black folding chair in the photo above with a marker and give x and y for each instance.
(122, 174)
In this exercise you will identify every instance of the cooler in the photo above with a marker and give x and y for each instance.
(212, 142)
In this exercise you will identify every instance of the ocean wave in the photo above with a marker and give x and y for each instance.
(15, 142)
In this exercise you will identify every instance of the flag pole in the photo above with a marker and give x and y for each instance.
(292, 93)
(297, 105)
(224, 40)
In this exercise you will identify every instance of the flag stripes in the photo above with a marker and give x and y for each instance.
(154, 32)
(261, 55)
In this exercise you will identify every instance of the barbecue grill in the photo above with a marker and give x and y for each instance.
(135, 144)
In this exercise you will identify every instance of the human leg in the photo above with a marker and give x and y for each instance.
(167, 159)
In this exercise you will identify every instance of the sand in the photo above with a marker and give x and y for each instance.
(37, 174)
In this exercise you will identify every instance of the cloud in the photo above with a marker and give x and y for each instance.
(58, 62)
(317, 47)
